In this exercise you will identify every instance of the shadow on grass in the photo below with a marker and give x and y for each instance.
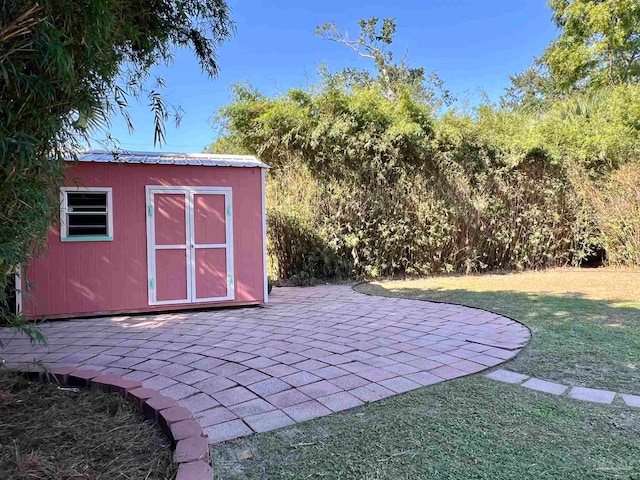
(577, 341)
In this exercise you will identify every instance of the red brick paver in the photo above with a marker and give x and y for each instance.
(191, 449)
(312, 351)
(199, 470)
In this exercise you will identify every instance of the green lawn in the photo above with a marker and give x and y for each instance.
(586, 330)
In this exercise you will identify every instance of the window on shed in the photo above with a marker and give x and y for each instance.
(86, 214)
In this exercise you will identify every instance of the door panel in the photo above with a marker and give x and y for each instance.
(170, 219)
(209, 219)
(171, 275)
(211, 273)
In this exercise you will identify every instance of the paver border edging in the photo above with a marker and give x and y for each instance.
(526, 345)
(190, 446)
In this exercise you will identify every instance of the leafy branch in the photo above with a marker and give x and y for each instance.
(374, 42)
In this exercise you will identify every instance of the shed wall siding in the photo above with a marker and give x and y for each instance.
(78, 278)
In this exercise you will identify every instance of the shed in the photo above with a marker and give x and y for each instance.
(145, 231)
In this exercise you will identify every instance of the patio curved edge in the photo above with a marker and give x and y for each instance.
(515, 320)
(575, 392)
(190, 446)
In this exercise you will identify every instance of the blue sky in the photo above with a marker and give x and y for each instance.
(473, 45)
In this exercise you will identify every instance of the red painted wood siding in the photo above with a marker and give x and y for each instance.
(76, 278)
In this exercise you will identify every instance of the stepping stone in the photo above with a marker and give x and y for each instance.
(544, 386)
(592, 395)
(506, 376)
(631, 400)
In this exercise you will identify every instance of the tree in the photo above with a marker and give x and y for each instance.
(532, 89)
(65, 67)
(598, 47)
(599, 44)
(373, 43)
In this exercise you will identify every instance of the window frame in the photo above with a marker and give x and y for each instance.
(64, 228)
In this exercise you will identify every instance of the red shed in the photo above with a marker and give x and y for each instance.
(152, 231)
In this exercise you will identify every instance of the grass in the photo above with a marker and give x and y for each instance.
(585, 331)
(585, 323)
(48, 433)
(471, 428)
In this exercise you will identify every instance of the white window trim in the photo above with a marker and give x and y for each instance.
(190, 246)
(64, 231)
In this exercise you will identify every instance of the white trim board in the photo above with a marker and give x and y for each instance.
(263, 176)
(18, 287)
(191, 246)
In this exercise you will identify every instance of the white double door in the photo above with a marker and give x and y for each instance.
(189, 244)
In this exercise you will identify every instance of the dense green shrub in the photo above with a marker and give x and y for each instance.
(296, 247)
(367, 186)
(617, 214)
(369, 180)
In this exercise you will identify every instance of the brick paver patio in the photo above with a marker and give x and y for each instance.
(311, 352)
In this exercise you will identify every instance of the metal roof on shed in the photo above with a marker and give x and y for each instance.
(165, 158)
